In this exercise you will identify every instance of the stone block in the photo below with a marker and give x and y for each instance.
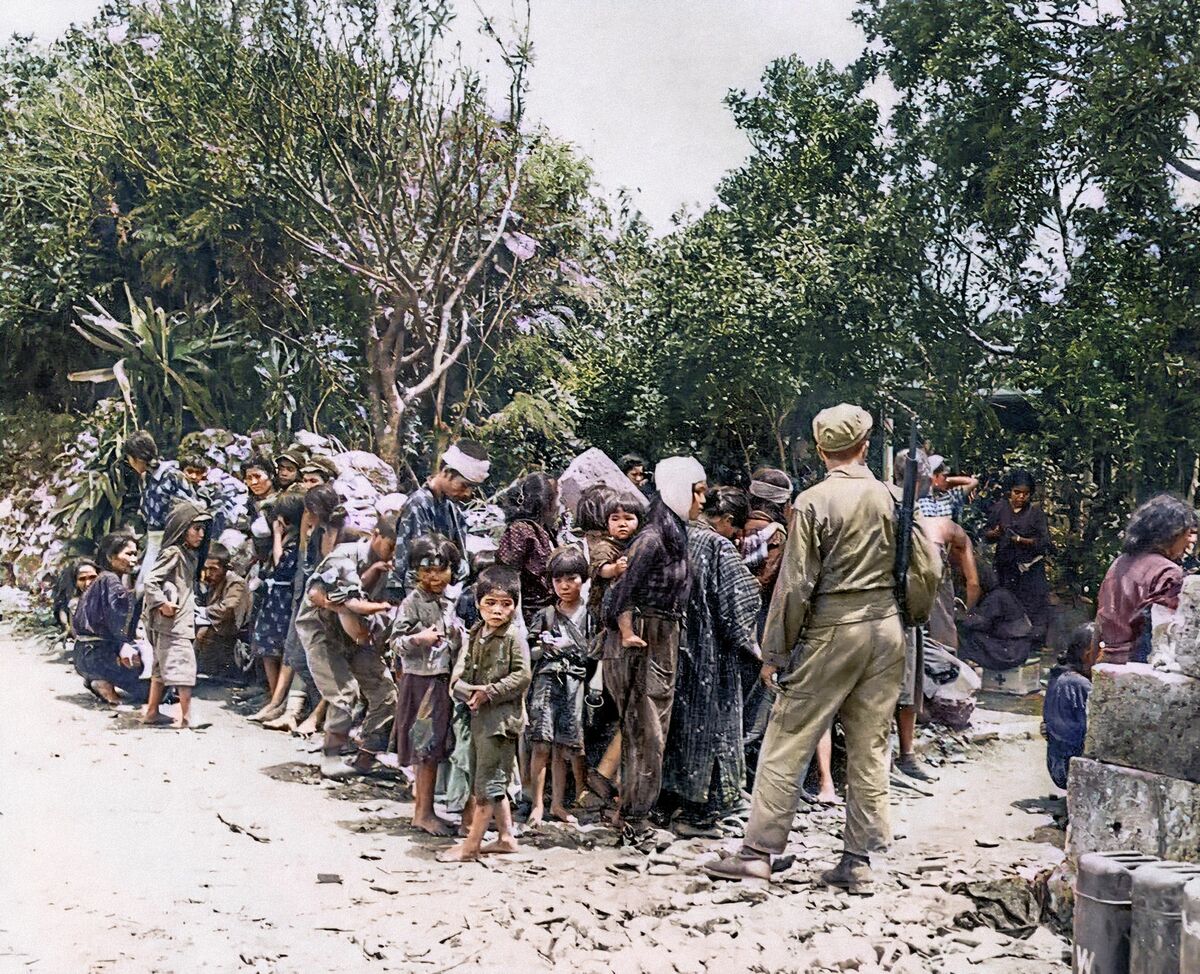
(592, 467)
(1175, 641)
(1144, 718)
(1113, 808)
(1020, 681)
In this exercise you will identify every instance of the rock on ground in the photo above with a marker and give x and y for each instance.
(120, 856)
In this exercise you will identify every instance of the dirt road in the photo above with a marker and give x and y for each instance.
(156, 851)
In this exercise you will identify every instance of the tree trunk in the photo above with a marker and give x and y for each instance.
(386, 406)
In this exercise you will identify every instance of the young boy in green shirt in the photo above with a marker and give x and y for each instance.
(491, 677)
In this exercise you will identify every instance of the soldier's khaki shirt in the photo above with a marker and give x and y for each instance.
(839, 561)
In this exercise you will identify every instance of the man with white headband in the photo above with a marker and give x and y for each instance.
(643, 611)
(435, 508)
(835, 639)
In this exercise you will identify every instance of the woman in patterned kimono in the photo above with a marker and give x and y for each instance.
(704, 768)
(275, 608)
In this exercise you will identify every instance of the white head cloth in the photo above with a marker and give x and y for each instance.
(473, 470)
(674, 477)
(770, 492)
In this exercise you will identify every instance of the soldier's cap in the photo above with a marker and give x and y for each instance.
(841, 427)
(293, 455)
(323, 466)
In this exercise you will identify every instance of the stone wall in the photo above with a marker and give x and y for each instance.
(1138, 784)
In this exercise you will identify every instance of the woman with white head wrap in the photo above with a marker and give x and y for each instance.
(641, 645)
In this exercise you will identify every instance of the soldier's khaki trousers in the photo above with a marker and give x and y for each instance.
(341, 670)
(853, 670)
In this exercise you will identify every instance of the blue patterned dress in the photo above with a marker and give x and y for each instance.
(275, 609)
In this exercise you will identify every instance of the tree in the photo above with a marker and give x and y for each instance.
(1047, 157)
(385, 162)
(790, 294)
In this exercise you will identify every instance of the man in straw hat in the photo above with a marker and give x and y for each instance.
(835, 641)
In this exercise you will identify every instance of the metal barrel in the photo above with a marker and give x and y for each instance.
(1103, 911)
(1157, 914)
(1189, 934)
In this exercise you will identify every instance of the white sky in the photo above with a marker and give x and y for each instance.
(637, 85)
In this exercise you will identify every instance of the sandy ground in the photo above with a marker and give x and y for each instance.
(156, 851)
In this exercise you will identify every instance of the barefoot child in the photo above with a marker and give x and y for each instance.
(427, 636)
(559, 638)
(491, 677)
(169, 610)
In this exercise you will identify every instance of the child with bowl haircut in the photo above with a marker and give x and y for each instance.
(427, 637)
(559, 636)
(491, 677)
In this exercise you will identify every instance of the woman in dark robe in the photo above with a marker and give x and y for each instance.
(105, 620)
(1147, 573)
(704, 768)
(996, 634)
(1022, 539)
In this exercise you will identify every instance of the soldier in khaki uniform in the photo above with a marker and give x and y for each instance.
(835, 638)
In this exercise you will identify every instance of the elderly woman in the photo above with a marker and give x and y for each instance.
(704, 768)
(104, 622)
(1022, 539)
(1146, 574)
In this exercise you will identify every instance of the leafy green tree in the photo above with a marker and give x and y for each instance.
(1048, 159)
(790, 294)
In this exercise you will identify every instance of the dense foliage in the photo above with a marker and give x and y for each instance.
(1011, 250)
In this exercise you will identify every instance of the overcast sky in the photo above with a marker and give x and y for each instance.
(636, 84)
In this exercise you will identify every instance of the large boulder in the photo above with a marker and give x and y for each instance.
(1144, 718)
(588, 469)
(381, 476)
(1113, 808)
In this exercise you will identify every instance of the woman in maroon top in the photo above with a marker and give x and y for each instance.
(531, 511)
(1147, 573)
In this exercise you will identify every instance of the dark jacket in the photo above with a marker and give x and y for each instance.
(997, 633)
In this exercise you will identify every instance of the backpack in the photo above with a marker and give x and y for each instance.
(922, 579)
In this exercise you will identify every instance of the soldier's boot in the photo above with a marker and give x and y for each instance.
(746, 864)
(852, 873)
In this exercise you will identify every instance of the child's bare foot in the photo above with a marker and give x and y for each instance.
(828, 796)
(156, 720)
(563, 815)
(270, 712)
(460, 852)
(535, 817)
(433, 825)
(310, 726)
(503, 845)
